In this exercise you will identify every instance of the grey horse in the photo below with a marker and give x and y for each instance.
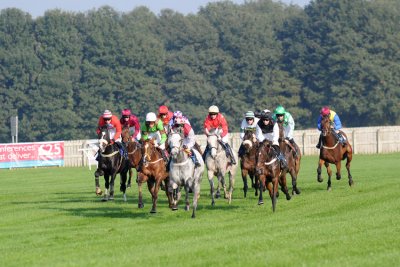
(183, 173)
(218, 164)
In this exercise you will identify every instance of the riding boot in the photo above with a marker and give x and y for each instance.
(122, 149)
(342, 140)
(280, 157)
(319, 142)
(194, 158)
(229, 152)
(241, 151)
(164, 155)
(205, 153)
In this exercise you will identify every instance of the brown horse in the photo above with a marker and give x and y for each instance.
(293, 156)
(270, 173)
(133, 148)
(153, 171)
(332, 151)
(248, 161)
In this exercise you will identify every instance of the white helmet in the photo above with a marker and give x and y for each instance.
(213, 109)
(151, 116)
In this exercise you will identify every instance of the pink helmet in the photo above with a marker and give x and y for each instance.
(163, 110)
(178, 114)
(107, 114)
(325, 111)
(126, 112)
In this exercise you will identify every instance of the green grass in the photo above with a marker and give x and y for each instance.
(51, 217)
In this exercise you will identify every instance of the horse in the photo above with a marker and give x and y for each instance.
(133, 148)
(218, 164)
(183, 172)
(270, 173)
(153, 171)
(292, 154)
(248, 161)
(111, 162)
(333, 152)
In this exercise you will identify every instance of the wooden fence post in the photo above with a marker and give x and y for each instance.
(303, 139)
(378, 142)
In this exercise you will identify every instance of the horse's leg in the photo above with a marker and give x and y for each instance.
(196, 193)
(130, 178)
(349, 158)
(210, 175)
(338, 169)
(187, 203)
(153, 190)
(113, 176)
(168, 193)
(122, 186)
(282, 181)
(256, 184)
(97, 183)
(244, 178)
(107, 186)
(319, 177)
(231, 186)
(275, 182)
(293, 174)
(261, 183)
(329, 171)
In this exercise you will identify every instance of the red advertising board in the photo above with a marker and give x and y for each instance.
(32, 154)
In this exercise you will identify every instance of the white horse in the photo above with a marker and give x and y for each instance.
(183, 173)
(218, 164)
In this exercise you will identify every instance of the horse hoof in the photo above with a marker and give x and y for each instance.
(260, 202)
(99, 192)
(217, 195)
(320, 180)
(193, 216)
(213, 203)
(187, 208)
(338, 177)
(288, 197)
(174, 208)
(153, 211)
(351, 183)
(329, 188)
(140, 206)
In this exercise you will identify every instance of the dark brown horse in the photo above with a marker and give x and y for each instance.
(153, 171)
(248, 161)
(111, 162)
(270, 173)
(133, 148)
(332, 151)
(293, 156)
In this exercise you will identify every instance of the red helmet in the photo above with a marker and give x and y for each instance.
(163, 110)
(126, 112)
(325, 111)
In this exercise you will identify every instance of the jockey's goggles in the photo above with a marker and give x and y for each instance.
(125, 117)
(249, 119)
(163, 114)
(107, 119)
(278, 115)
(212, 114)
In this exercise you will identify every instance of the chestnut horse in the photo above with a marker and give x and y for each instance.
(111, 162)
(333, 152)
(292, 154)
(153, 171)
(248, 161)
(133, 148)
(270, 173)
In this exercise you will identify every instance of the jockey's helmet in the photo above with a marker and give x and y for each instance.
(163, 110)
(249, 114)
(178, 114)
(279, 110)
(151, 116)
(213, 109)
(107, 114)
(266, 114)
(126, 112)
(325, 111)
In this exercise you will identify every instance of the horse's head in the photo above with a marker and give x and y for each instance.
(104, 138)
(125, 134)
(175, 139)
(212, 141)
(148, 149)
(325, 126)
(249, 140)
(264, 155)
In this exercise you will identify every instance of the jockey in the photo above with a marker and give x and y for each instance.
(165, 116)
(268, 129)
(216, 120)
(112, 123)
(153, 129)
(180, 124)
(178, 114)
(249, 123)
(131, 121)
(284, 117)
(335, 120)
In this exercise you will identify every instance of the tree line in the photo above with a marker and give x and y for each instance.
(58, 72)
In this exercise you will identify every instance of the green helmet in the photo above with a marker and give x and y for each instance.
(279, 110)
